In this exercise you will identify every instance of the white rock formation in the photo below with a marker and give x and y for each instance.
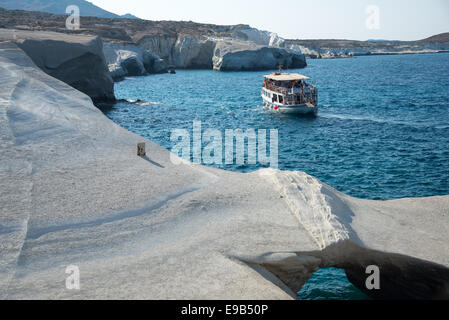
(74, 192)
(193, 52)
(260, 37)
(76, 60)
(117, 56)
(184, 51)
(160, 45)
(130, 60)
(235, 55)
(199, 52)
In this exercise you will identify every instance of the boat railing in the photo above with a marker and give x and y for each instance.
(293, 96)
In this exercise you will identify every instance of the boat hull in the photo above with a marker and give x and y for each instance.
(300, 109)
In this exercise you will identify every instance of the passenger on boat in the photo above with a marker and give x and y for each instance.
(296, 89)
(307, 89)
(307, 92)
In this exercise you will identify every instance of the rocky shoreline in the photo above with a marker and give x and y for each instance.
(73, 192)
(138, 47)
(328, 49)
(134, 47)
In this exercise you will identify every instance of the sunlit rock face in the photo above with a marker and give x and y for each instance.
(247, 56)
(193, 52)
(130, 60)
(260, 37)
(183, 51)
(206, 52)
(350, 48)
(258, 51)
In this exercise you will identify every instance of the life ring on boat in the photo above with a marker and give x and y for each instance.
(276, 107)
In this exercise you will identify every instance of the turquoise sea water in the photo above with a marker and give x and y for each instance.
(330, 284)
(382, 131)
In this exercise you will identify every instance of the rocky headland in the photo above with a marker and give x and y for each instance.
(325, 49)
(137, 47)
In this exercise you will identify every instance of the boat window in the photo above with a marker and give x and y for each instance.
(281, 100)
(275, 98)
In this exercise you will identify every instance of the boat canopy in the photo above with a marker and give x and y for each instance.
(286, 76)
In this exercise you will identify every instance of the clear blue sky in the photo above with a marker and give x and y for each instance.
(303, 19)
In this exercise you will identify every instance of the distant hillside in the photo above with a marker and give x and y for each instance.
(341, 48)
(115, 29)
(341, 43)
(129, 16)
(59, 7)
(442, 37)
(369, 44)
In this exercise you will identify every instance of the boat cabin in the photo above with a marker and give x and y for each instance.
(288, 90)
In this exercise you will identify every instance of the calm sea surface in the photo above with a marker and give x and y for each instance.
(382, 131)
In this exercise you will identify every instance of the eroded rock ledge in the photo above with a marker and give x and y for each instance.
(401, 276)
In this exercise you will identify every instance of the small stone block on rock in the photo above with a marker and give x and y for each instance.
(141, 149)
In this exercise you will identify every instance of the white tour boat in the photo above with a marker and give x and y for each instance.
(289, 93)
